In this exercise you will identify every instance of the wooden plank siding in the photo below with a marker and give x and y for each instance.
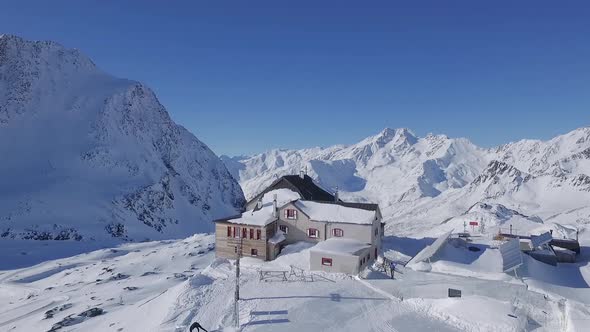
(225, 246)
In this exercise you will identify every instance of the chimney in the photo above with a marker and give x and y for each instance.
(275, 208)
(336, 195)
(302, 174)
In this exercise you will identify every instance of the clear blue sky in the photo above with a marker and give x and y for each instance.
(246, 76)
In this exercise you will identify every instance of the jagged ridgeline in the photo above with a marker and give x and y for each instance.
(419, 182)
(85, 155)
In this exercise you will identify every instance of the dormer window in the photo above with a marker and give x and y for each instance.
(291, 214)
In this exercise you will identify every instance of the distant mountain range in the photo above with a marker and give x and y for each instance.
(86, 155)
(427, 184)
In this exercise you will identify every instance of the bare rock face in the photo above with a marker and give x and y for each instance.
(89, 156)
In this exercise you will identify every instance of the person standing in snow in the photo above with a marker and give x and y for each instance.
(197, 326)
(392, 268)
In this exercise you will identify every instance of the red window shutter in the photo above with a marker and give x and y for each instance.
(228, 231)
(244, 233)
(234, 231)
(258, 233)
(251, 233)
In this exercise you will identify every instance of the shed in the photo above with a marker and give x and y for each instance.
(341, 255)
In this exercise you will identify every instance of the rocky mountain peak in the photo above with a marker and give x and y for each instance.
(35, 54)
(94, 157)
(496, 169)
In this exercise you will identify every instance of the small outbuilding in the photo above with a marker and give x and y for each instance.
(340, 255)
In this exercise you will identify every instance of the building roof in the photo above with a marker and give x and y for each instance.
(262, 216)
(344, 246)
(337, 213)
(277, 238)
(363, 206)
(305, 187)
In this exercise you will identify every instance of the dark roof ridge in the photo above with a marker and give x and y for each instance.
(305, 187)
(362, 206)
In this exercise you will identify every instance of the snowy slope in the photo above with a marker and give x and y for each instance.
(166, 285)
(86, 155)
(420, 183)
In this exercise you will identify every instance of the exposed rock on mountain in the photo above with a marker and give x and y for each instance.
(420, 182)
(86, 155)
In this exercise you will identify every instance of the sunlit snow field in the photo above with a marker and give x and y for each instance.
(166, 285)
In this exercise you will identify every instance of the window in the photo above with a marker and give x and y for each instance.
(236, 249)
(251, 233)
(376, 231)
(326, 261)
(313, 233)
(291, 214)
(375, 252)
(337, 232)
(284, 229)
(254, 252)
(229, 231)
(236, 234)
(258, 234)
(244, 233)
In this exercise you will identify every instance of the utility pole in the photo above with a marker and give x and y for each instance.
(237, 293)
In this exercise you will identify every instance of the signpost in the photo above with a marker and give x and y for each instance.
(237, 243)
(473, 224)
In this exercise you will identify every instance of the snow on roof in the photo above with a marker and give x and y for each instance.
(263, 216)
(340, 246)
(260, 217)
(331, 212)
(284, 196)
(277, 238)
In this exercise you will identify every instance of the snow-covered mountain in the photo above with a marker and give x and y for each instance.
(86, 155)
(423, 182)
